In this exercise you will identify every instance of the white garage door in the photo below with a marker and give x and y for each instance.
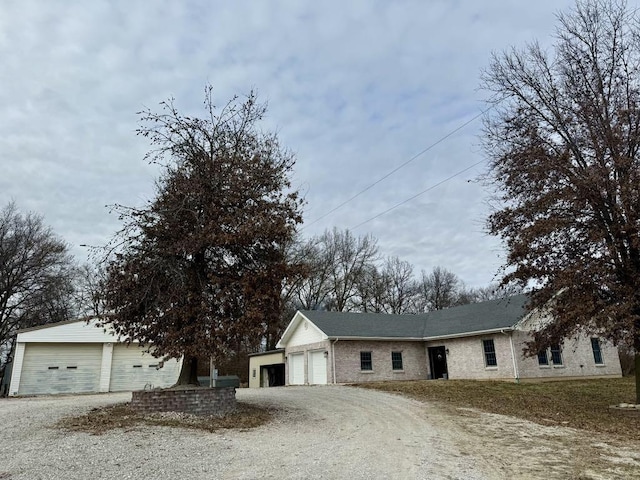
(317, 368)
(133, 369)
(60, 368)
(296, 369)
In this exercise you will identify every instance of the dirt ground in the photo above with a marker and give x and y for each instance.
(316, 432)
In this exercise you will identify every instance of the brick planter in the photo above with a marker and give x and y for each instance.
(196, 401)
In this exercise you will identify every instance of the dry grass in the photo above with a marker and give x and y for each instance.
(121, 416)
(581, 404)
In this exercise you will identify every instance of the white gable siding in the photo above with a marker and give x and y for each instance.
(79, 331)
(304, 334)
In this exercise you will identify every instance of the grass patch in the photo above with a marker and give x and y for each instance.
(121, 416)
(581, 403)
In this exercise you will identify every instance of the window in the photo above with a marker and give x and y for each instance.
(254, 373)
(365, 361)
(556, 354)
(543, 358)
(597, 352)
(396, 360)
(490, 359)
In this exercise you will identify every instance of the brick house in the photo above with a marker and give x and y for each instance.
(477, 341)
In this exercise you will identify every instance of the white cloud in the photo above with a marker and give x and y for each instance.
(354, 88)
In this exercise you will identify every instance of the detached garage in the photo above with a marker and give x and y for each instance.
(79, 357)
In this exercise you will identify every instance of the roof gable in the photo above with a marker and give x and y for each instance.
(294, 331)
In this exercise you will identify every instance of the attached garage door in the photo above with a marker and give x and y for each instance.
(133, 369)
(317, 368)
(60, 368)
(296, 369)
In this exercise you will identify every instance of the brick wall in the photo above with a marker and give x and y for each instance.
(466, 360)
(577, 360)
(196, 401)
(348, 370)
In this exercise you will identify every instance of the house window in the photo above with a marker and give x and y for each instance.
(556, 354)
(365, 361)
(597, 352)
(543, 358)
(490, 359)
(254, 373)
(396, 360)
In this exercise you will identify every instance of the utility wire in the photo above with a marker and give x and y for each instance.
(437, 142)
(418, 194)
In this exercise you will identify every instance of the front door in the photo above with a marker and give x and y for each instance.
(438, 362)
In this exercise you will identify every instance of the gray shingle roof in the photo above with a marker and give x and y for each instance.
(370, 325)
(476, 317)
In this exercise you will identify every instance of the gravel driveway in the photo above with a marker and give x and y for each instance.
(318, 432)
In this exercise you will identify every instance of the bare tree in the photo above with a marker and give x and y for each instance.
(495, 291)
(349, 259)
(373, 291)
(438, 289)
(36, 275)
(564, 149)
(401, 286)
(312, 289)
(201, 268)
(89, 295)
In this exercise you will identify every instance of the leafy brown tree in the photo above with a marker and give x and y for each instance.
(564, 150)
(36, 275)
(200, 269)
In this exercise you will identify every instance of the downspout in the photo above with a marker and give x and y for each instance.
(333, 360)
(516, 376)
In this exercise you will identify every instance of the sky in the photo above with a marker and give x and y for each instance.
(355, 89)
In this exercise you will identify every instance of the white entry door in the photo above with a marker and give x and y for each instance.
(296, 369)
(317, 368)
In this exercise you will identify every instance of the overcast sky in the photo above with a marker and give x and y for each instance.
(354, 88)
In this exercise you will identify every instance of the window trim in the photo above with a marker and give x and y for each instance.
(544, 364)
(556, 348)
(394, 361)
(489, 354)
(595, 341)
(364, 362)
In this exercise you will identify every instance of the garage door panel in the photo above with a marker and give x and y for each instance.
(134, 369)
(60, 368)
(296, 369)
(317, 368)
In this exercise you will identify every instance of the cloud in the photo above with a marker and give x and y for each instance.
(354, 89)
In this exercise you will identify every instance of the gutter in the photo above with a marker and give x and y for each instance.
(333, 359)
(468, 334)
(516, 375)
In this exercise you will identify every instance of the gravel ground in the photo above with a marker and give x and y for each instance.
(317, 432)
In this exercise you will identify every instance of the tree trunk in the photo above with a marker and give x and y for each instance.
(189, 372)
(637, 366)
(636, 356)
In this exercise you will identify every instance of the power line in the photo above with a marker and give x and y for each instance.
(418, 194)
(437, 142)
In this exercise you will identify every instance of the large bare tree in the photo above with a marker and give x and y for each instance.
(439, 289)
(564, 147)
(200, 269)
(36, 275)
